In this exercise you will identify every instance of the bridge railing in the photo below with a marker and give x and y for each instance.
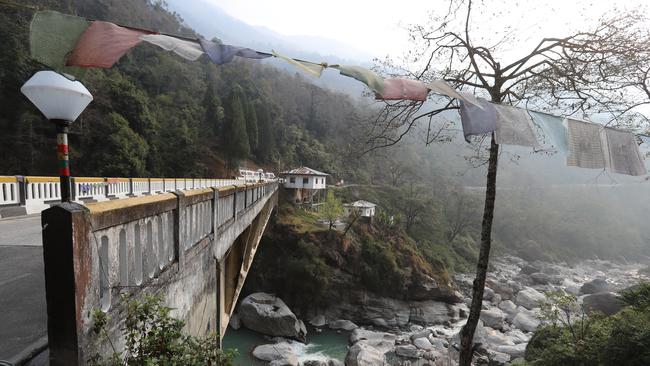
(35, 194)
(168, 244)
(9, 193)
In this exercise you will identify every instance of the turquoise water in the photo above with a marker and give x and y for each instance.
(327, 343)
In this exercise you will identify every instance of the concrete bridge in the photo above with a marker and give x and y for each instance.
(193, 247)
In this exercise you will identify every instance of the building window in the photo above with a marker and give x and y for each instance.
(292, 180)
(305, 180)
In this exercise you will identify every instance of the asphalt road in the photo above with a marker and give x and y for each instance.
(23, 317)
(21, 231)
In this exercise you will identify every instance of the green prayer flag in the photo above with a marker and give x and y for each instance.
(52, 36)
(368, 77)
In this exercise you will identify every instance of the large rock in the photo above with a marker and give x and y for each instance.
(495, 338)
(381, 341)
(517, 336)
(425, 287)
(318, 321)
(515, 351)
(595, 286)
(488, 294)
(505, 290)
(509, 308)
(268, 314)
(278, 354)
(498, 358)
(363, 354)
(407, 351)
(423, 343)
(319, 362)
(540, 278)
(605, 302)
(570, 286)
(342, 324)
(529, 298)
(480, 334)
(528, 270)
(430, 312)
(493, 318)
(419, 334)
(525, 321)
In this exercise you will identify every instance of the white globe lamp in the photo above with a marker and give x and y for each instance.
(61, 101)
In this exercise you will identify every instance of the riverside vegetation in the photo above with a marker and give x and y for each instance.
(155, 114)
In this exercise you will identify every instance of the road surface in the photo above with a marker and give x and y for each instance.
(23, 317)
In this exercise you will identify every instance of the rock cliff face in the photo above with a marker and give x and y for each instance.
(371, 277)
(366, 308)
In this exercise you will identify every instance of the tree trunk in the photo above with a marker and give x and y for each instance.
(467, 333)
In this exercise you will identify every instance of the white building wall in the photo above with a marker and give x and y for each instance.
(299, 182)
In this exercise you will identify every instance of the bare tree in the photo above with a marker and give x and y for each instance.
(459, 208)
(575, 74)
(413, 205)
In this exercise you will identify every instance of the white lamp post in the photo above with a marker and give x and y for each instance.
(61, 101)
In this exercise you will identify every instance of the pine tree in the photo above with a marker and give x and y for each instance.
(236, 142)
(252, 126)
(266, 147)
(213, 120)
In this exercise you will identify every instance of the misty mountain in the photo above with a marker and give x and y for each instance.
(211, 21)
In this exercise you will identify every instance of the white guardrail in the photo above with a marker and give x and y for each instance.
(35, 194)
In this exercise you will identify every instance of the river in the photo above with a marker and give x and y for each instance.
(326, 343)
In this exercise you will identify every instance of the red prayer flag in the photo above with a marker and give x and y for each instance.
(401, 89)
(102, 44)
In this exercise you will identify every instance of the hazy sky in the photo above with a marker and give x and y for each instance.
(377, 26)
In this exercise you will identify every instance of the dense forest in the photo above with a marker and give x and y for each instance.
(155, 114)
(158, 115)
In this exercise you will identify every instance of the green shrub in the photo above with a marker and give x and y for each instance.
(575, 338)
(153, 337)
(638, 296)
(629, 340)
(379, 271)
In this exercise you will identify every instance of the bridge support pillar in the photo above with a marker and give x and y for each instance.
(234, 268)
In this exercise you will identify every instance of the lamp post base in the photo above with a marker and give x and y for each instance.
(62, 127)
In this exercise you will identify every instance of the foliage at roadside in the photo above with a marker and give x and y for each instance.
(575, 338)
(153, 337)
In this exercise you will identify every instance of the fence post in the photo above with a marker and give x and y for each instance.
(215, 212)
(181, 234)
(67, 255)
(22, 190)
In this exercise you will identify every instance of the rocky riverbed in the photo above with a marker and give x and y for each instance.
(395, 332)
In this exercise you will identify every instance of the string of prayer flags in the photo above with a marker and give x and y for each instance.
(477, 120)
(309, 67)
(441, 87)
(52, 36)
(514, 127)
(623, 155)
(103, 44)
(368, 77)
(585, 147)
(222, 53)
(403, 89)
(553, 128)
(186, 49)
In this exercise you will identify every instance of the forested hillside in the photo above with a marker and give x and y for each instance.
(155, 114)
